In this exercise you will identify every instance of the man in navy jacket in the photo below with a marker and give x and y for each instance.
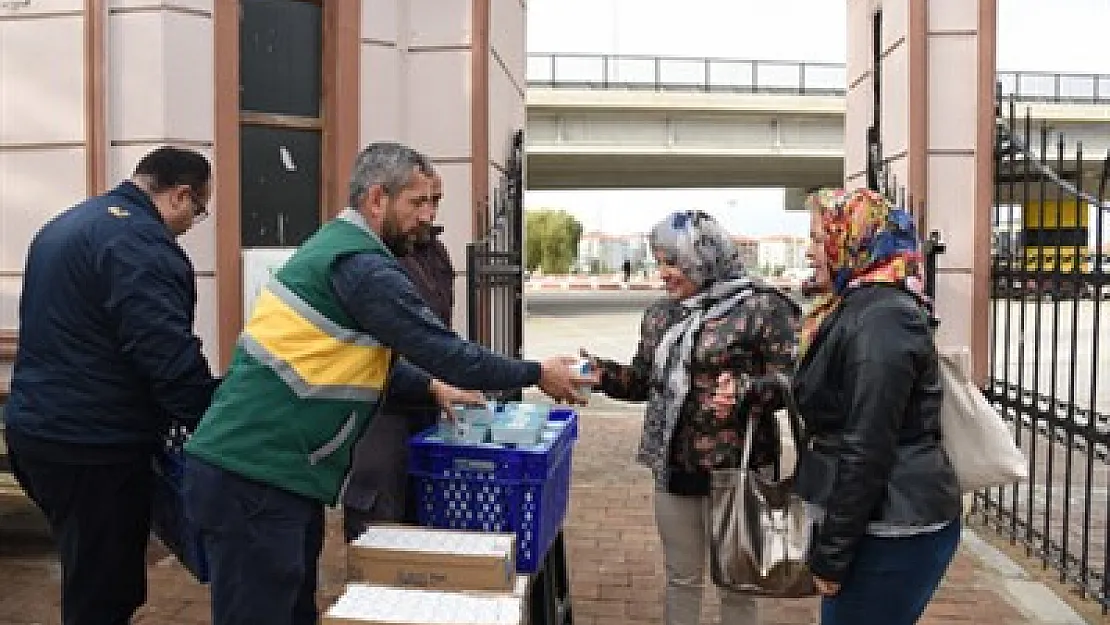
(106, 358)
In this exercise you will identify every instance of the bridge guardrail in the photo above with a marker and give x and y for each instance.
(710, 74)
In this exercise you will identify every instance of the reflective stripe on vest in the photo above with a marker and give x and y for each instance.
(316, 357)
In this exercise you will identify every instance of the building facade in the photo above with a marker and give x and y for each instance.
(749, 251)
(280, 94)
(920, 115)
(779, 254)
(599, 252)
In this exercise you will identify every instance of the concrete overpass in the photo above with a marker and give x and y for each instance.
(650, 122)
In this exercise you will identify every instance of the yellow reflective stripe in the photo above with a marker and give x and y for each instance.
(316, 357)
(313, 316)
(301, 388)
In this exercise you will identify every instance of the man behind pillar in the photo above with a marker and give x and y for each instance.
(377, 491)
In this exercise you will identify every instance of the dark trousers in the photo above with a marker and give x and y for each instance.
(263, 546)
(891, 580)
(379, 487)
(356, 520)
(100, 517)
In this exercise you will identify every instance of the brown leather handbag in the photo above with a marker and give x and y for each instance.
(759, 534)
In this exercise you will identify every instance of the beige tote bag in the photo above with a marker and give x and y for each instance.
(978, 442)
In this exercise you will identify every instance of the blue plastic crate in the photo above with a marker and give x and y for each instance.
(169, 519)
(565, 413)
(492, 488)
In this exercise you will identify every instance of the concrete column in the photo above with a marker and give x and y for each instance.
(51, 130)
(160, 74)
(937, 100)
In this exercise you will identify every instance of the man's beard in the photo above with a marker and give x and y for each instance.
(404, 243)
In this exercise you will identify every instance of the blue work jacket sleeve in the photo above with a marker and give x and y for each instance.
(374, 290)
(409, 383)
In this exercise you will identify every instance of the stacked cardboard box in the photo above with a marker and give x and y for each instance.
(405, 575)
(364, 604)
(432, 558)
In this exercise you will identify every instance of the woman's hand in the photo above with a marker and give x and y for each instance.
(723, 400)
(826, 588)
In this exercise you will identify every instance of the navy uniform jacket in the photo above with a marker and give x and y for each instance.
(106, 351)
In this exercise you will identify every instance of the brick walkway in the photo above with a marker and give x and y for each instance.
(616, 565)
(617, 568)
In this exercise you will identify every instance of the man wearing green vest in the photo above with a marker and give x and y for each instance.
(309, 370)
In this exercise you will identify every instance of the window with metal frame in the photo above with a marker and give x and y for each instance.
(280, 121)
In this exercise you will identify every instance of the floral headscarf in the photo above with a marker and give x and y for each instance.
(867, 241)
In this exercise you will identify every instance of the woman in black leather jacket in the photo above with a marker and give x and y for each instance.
(882, 494)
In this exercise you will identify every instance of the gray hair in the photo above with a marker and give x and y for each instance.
(387, 164)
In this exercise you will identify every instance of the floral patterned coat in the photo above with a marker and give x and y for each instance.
(757, 338)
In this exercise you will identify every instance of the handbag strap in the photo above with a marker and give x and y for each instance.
(794, 419)
(794, 416)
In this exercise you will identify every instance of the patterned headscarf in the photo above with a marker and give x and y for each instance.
(698, 245)
(867, 241)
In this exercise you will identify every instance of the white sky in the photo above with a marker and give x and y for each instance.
(1044, 35)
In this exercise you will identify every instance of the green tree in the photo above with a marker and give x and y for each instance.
(551, 240)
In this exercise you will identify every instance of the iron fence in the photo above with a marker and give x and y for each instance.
(495, 265)
(1049, 277)
(662, 73)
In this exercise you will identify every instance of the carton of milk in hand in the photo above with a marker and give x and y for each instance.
(583, 367)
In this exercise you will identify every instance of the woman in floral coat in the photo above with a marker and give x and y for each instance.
(717, 331)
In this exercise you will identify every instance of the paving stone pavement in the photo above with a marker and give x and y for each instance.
(29, 575)
(617, 568)
(615, 560)
(972, 591)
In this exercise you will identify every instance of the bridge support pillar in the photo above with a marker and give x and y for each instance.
(921, 83)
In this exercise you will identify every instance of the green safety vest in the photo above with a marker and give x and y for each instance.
(304, 380)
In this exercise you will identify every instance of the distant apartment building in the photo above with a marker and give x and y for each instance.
(779, 254)
(602, 253)
(749, 251)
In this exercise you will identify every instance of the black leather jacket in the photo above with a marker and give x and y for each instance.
(869, 391)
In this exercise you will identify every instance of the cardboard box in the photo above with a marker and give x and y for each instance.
(522, 585)
(366, 604)
(418, 557)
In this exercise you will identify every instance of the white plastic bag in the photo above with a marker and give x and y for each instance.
(977, 441)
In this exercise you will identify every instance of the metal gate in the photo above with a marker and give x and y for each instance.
(1047, 347)
(495, 266)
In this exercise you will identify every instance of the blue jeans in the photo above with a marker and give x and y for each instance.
(891, 580)
(263, 546)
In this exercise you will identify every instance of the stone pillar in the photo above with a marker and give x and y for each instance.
(53, 146)
(447, 78)
(123, 78)
(160, 83)
(936, 88)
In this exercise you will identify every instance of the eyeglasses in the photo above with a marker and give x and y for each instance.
(200, 211)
